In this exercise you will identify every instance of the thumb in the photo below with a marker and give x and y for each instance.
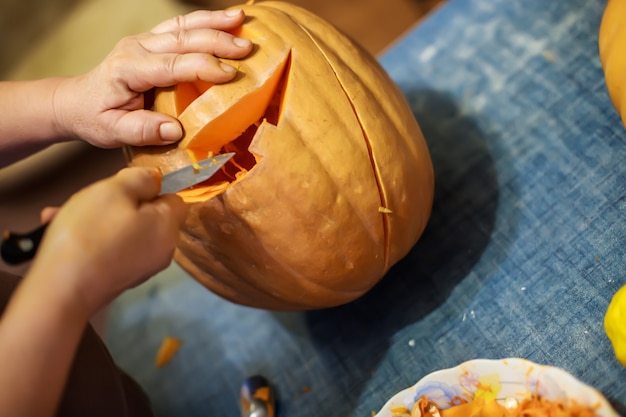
(139, 183)
(148, 128)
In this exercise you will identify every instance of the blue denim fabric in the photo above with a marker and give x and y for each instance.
(525, 247)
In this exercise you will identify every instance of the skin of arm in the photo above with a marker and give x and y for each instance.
(105, 107)
(110, 236)
(118, 232)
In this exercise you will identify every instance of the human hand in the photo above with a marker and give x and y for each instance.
(109, 237)
(105, 107)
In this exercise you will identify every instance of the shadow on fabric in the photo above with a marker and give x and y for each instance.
(466, 197)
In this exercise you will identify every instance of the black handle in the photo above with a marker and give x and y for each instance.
(18, 248)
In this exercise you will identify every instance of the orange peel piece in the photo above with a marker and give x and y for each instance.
(168, 349)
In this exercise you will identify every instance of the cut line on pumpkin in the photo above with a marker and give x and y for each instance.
(383, 203)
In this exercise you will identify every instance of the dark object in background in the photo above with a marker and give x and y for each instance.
(257, 397)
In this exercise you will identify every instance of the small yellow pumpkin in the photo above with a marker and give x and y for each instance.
(332, 182)
(612, 42)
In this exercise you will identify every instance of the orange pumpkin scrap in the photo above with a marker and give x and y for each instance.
(611, 42)
(323, 140)
(167, 350)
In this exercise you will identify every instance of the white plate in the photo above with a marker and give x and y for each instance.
(498, 379)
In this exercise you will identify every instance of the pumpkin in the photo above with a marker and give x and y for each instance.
(611, 42)
(332, 181)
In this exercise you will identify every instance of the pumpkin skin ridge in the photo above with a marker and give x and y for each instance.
(292, 271)
(337, 188)
(419, 151)
(356, 212)
(235, 287)
(376, 174)
(260, 299)
(255, 300)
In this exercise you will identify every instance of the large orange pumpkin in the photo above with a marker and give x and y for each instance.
(612, 43)
(332, 181)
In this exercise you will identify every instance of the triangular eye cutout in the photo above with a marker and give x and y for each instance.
(224, 111)
(244, 160)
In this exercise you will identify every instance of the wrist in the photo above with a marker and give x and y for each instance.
(61, 296)
(29, 118)
(60, 103)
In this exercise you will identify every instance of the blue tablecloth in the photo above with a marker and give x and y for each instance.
(524, 250)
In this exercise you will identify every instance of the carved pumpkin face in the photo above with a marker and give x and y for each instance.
(332, 181)
(612, 41)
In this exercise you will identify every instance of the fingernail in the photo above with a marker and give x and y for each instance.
(170, 131)
(241, 42)
(227, 68)
(233, 12)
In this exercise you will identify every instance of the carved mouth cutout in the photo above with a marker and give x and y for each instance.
(214, 124)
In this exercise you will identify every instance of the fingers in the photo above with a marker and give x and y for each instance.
(184, 49)
(144, 185)
(140, 184)
(187, 53)
(199, 31)
(111, 236)
(168, 69)
(220, 20)
(166, 213)
(207, 41)
(143, 127)
(171, 206)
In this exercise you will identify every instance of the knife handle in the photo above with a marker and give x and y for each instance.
(17, 248)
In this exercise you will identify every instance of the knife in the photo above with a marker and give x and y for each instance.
(17, 248)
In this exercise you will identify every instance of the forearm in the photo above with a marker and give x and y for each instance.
(28, 119)
(39, 335)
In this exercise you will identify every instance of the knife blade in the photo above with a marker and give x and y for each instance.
(191, 175)
(17, 248)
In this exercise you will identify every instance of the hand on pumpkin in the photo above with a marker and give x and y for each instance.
(109, 237)
(105, 106)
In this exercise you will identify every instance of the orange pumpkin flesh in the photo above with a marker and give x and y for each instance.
(611, 42)
(332, 181)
